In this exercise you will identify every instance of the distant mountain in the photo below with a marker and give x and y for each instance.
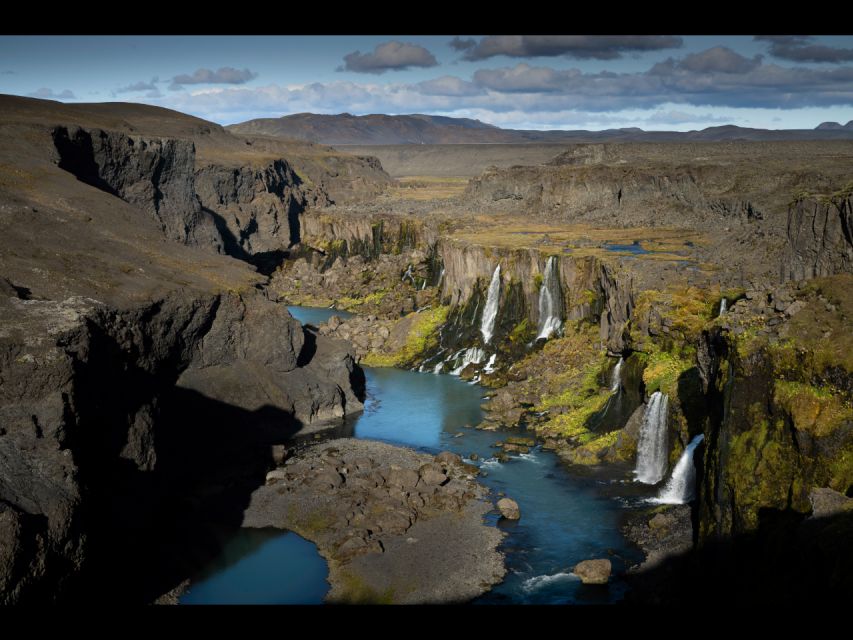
(379, 129)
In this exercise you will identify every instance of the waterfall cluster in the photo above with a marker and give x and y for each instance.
(616, 376)
(469, 356)
(550, 301)
(490, 311)
(652, 446)
(681, 486)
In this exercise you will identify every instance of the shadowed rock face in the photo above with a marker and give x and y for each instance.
(154, 175)
(820, 238)
(257, 207)
(136, 369)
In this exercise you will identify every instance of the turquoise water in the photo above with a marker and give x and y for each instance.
(565, 518)
(262, 566)
(316, 315)
(635, 248)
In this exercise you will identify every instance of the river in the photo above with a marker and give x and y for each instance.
(565, 517)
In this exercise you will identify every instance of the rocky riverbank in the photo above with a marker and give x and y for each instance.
(395, 526)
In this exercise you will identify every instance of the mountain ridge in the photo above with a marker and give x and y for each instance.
(383, 129)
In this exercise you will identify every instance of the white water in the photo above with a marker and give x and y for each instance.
(615, 379)
(490, 311)
(724, 304)
(409, 275)
(651, 449)
(490, 365)
(549, 301)
(680, 487)
(472, 355)
(537, 582)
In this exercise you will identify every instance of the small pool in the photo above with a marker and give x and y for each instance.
(262, 566)
(634, 248)
(317, 315)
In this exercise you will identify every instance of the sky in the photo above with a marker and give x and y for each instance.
(674, 83)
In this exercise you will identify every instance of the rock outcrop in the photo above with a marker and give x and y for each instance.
(153, 174)
(381, 514)
(820, 238)
(135, 369)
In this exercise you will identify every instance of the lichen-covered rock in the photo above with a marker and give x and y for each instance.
(509, 509)
(593, 571)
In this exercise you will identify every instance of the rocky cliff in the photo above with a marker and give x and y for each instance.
(138, 373)
(820, 237)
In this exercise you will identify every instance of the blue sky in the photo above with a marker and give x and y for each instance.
(536, 82)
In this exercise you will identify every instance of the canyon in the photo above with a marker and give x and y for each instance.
(638, 310)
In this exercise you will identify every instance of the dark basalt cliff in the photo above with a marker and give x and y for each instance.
(137, 366)
(820, 237)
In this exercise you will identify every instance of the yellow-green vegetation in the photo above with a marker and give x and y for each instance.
(422, 337)
(761, 466)
(427, 188)
(581, 397)
(663, 369)
(355, 590)
(683, 311)
(815, 410)
(522, 333)
(592, 452)
(348, 304)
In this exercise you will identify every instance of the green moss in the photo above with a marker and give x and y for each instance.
(817, 411)
(663, 370)
(356, 591)
(422, 337)
(761, 467)
(588, 296)
(347, 303)
(537, 280)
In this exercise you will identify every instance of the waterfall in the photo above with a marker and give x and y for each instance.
(472, 355)
(651, 449)
(615, 378)
(490, 365)
(724, 304)
(409, 275)
(549, 301)
(490, 311)
(680, 487)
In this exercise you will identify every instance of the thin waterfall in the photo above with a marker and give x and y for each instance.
(490, 365)
(550, 301)
(490, 311)
(616, 376)
(651, 449)
(681, 486)
(724, 304)
(469, 356)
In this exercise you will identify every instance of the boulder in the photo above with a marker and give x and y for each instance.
(432, 475)
(448, 458)
(509, 509)
(402, 478)
(827, 502)
(593, 571)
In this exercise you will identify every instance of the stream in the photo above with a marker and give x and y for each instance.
(565, 517)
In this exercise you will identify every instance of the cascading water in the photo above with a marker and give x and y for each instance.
(490, 311)
(469, 356)
(680, 487)
(651, 449)
(490, 365)
(724, 304)
(550, 301)
(615, 378)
